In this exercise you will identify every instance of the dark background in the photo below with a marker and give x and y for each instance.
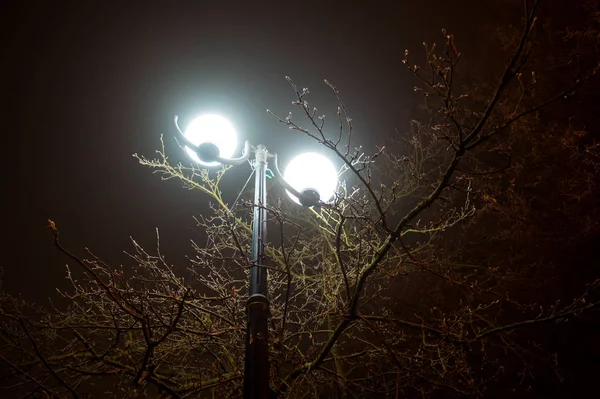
(87, 84)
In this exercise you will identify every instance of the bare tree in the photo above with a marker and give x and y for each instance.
(391, 290)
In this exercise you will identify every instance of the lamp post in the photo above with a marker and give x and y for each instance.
(211, 140)
(256, 364)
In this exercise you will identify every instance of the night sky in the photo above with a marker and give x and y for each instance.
(87, 84)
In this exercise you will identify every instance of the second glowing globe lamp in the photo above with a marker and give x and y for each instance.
(313, 175)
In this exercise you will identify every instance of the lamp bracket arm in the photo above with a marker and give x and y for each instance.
(186, 141)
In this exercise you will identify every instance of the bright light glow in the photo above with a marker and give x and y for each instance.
(212, 129)
(312, 171)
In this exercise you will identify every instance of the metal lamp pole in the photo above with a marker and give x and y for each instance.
(256, 366)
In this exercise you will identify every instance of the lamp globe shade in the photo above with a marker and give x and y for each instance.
(215, 136)
(313, 175)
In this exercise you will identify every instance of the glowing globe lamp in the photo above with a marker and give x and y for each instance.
(313, 175)
(214, 135)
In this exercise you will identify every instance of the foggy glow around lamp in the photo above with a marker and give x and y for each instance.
(214, 135)
(313, 175)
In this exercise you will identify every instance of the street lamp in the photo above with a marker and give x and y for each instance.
(313, 175)
(310, 179)
(201, 132)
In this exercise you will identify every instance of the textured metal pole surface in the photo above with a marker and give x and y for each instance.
(256, 366)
